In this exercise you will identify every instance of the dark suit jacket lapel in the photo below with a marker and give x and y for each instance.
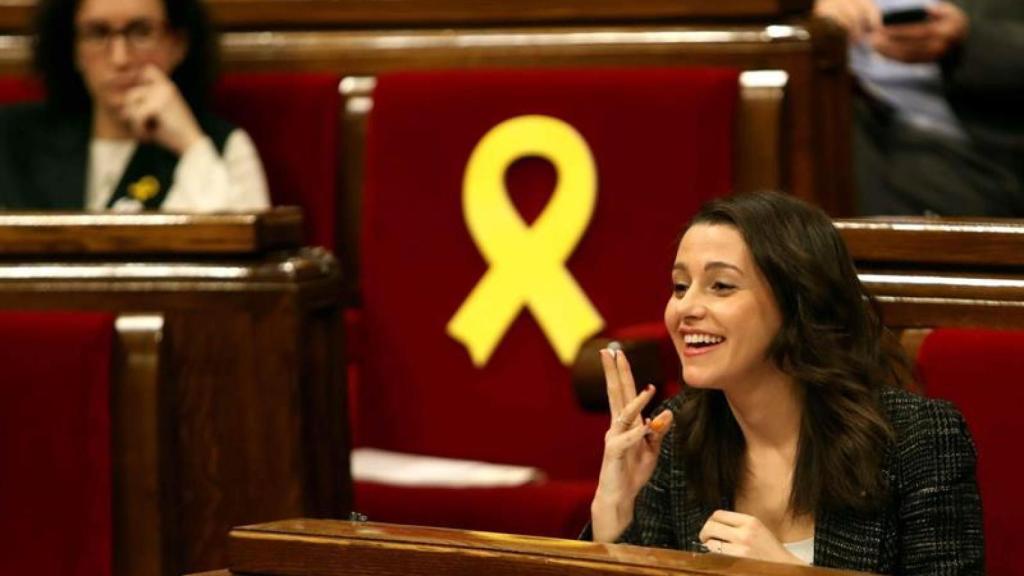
(59, 164)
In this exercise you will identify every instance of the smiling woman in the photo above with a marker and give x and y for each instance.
(792, 440)
(125, 124)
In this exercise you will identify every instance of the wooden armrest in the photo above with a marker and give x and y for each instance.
(588, 377)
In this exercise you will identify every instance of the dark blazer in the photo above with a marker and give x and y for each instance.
(931, 525)
(43, 158)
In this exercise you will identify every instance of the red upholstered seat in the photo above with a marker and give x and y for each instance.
(55, 488)
(292, 118)
(661, 140)
(980, 371)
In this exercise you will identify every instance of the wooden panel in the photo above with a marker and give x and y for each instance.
(921, 240)
(152, 234)
(325, 13)
(941, 271)
(15, 15)
(146, 532)
(254, 388)
(326, 548)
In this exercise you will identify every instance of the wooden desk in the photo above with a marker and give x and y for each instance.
(251, 344)
(338, 548)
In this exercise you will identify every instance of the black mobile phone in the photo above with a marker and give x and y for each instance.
(905, 16)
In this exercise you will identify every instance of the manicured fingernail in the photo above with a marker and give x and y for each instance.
(614, 345)
(657, 425)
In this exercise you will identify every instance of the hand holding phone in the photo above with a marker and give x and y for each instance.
(904, 16)
(921, 35)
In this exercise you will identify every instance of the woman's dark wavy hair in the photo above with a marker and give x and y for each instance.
(54, 53)
(832, 343)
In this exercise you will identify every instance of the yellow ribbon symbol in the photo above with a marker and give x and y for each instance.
(527, 263)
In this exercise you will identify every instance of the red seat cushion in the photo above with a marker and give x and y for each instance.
(662, 143)
(980, 371)
(55, 488)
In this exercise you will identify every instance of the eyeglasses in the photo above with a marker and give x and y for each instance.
(139, 35)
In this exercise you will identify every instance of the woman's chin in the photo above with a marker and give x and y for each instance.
(698, 381)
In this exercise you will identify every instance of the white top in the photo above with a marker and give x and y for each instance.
(802, 549)
(204, 181)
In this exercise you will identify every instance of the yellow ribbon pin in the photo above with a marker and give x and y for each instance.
(527, 263)
(144, 188)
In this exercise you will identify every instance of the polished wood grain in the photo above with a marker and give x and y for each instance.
(336, 548)
(145, 496)
(928, 272)
(15, 15)
(253, 411)
(148, 233)
(969, 242)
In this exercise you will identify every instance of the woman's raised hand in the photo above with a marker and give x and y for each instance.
(157, 112)
(631, 448)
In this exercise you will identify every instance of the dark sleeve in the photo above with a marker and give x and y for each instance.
(990, 64)
(652, 515)
(940, 510)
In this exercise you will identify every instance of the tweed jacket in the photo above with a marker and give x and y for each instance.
(931, 524)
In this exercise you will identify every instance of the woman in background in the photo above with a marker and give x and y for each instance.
(793, 440)
(125, 125)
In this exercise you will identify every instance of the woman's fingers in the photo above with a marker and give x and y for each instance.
(625, 377)
(611, 380)
(630, 413)
(660, 425)
(723, 525)
(622, 442)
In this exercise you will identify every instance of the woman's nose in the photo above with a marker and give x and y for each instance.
(118, 49)
(690, 306)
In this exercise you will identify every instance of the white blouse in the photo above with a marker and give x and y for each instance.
(204, 181)
(802, 549)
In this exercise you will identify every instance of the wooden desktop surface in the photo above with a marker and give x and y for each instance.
(305, 547)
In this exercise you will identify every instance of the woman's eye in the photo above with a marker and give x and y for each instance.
(721, 287)
(678, 288)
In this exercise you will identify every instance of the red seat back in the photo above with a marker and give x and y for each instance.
(661, 140)
(294, 120)
(980, 371)
(55, 488)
